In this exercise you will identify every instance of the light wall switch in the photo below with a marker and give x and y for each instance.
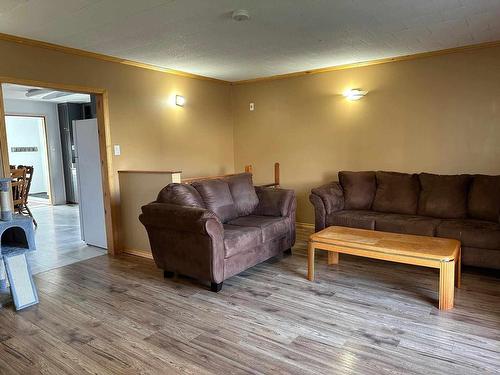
(117, 150)
(252, 106)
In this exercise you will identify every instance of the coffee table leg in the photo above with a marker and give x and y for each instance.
(446, 285)
(458, 271)
(310, 262)
(333, 257)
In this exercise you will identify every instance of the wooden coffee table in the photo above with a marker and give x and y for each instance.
(424, 251)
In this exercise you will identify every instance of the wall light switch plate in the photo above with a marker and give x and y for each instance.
(117, 150)
(252, 106)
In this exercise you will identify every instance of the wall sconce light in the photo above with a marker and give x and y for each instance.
(354, 94)
(180, 100)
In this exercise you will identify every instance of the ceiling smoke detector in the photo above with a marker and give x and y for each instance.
(240, 15)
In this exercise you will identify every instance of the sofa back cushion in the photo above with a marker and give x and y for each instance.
(443, 196)
(217, 198)
(396, 193)
(243, 193)
(180, 194)
(359, 189)
(484, 198)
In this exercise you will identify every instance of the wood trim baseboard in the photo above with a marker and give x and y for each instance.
(102, 57)
(139, 253)
(421, 55)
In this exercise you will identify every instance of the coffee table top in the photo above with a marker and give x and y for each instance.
(391, 243)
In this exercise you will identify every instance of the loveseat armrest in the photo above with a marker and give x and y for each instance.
(326, 199)
(180, 218)
(274, 201)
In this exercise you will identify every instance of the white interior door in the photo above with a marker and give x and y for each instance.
(89, 181)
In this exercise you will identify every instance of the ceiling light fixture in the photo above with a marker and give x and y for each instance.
(240, 15)
(354, 94)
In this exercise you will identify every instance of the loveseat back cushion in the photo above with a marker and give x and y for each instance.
(443, 196)
(484, 198)
(359, 189)
(243, 193)
(180, 194)
(396, 193)
(217, 198)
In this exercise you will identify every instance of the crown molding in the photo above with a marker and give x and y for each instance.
(102, 57)
(471, 47)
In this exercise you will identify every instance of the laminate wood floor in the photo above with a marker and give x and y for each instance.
(119, 316)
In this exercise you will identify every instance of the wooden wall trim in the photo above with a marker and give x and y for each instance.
(468, 48)
(103, 57)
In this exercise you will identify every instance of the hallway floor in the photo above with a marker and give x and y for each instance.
(58, 238)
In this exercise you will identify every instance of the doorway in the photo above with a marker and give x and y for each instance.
(40, 129)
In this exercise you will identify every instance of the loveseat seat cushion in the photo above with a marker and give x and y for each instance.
(217, 198)
(443, 196)
(406, 224)
(180, 194)
(271, 227)
(238, 239)
(352, 218)
(396, 193)
(243, 193)
(472, 233)
(359, 189)
(484, 198)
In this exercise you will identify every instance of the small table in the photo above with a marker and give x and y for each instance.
(424, 251)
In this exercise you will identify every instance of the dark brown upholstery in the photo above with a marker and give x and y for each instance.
(443, 196)
(396, 193)
(243, 193)
(212, 243)
(359, 189)
(472, 233)
(180, 194)
(484, 198)
(445, 200)
(217, 198)
(408, 224)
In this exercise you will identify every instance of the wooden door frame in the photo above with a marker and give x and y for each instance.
(46, 140)
(102, 110)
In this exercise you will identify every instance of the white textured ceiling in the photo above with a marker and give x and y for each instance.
(282, 36)
(11, 91)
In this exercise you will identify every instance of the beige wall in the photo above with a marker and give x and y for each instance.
(439, 114)
(197, 139)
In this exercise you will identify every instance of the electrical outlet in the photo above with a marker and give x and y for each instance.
(252, 106)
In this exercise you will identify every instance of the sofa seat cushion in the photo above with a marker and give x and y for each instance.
(443, 196)
(359, 189)
(352, 218)
(396, 193)
(484, 198)
(217, 198)
(472, 233)
(239, 238)
(271, 227)
(406, 224)
(243, 193)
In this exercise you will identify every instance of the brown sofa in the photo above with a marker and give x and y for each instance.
(215, 228)
(463, 207)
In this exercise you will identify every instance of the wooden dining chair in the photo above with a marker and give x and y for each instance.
(21, 183)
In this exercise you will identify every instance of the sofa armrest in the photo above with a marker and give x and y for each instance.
(179, 218)
(274, 202)
(326, 199)
(184, 239)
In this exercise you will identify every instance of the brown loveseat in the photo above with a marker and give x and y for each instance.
(463, 207)
(215, 228)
